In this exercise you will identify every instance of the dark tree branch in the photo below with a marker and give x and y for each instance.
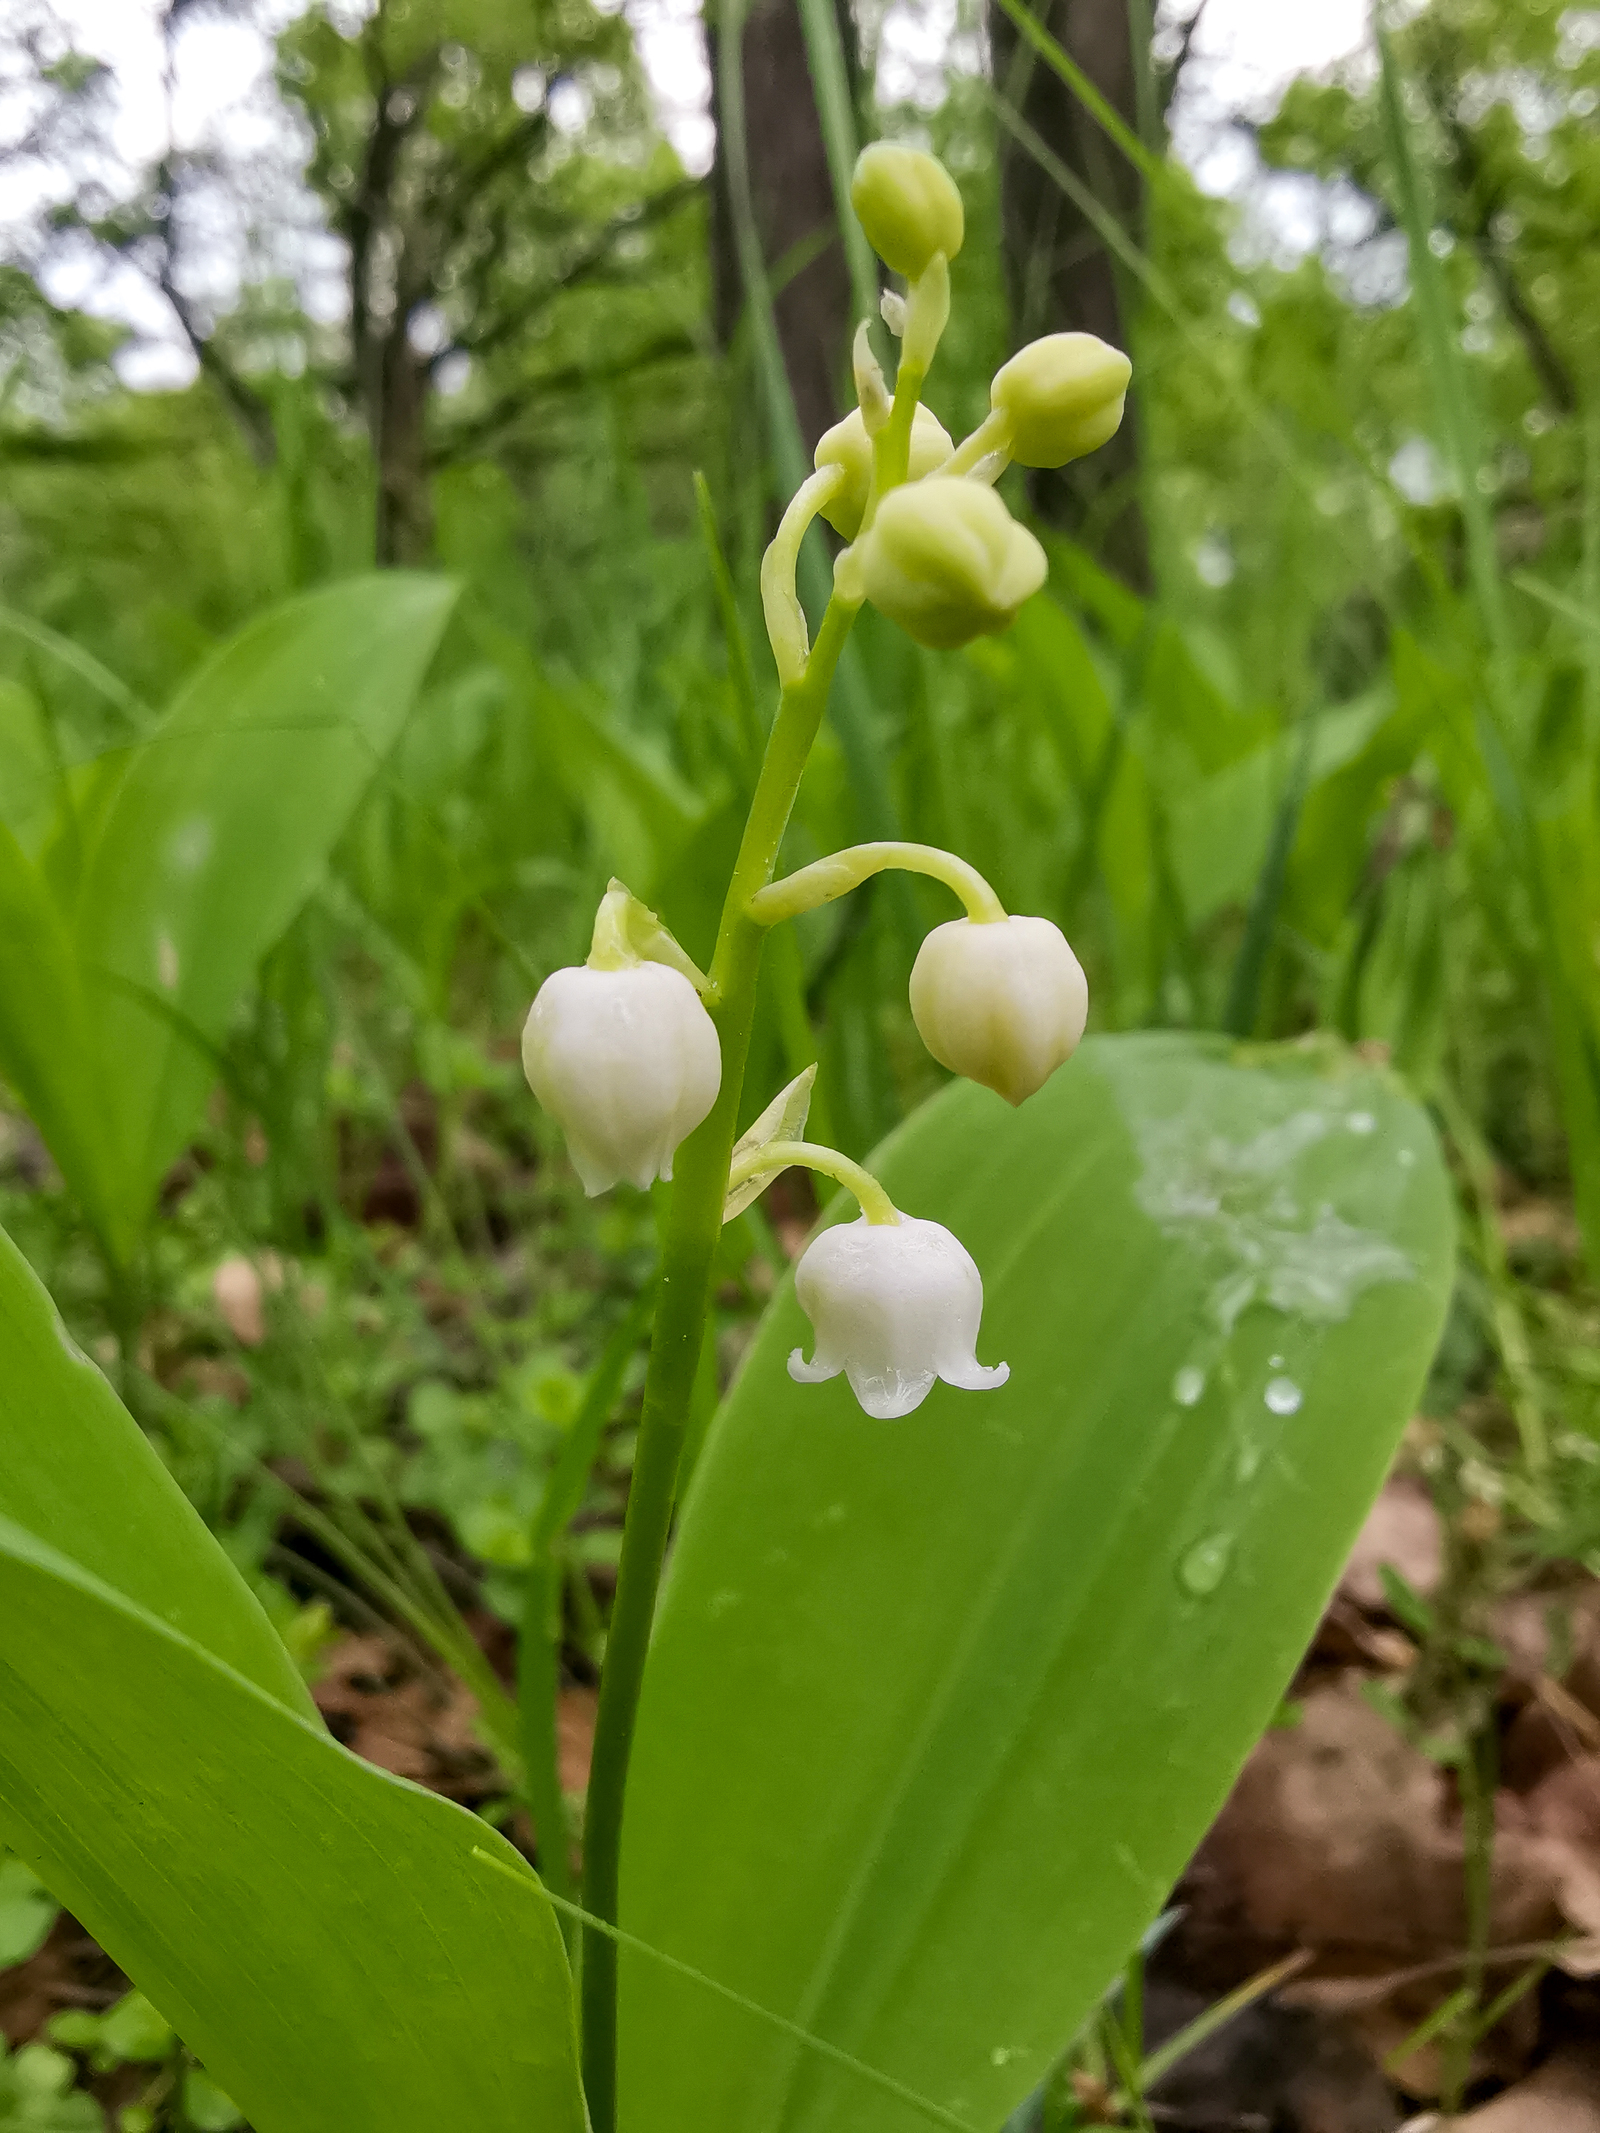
(503, 413)
(586, 267)
(1542, 353)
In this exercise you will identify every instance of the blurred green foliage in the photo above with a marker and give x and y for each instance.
(1268, 793)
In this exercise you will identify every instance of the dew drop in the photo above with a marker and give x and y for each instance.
(1205, 1566)
(1274, 1362)
(1283, 1396)
(1407, 1158)
(1248, 1464)
(1361, 1122)
(1188, 1385)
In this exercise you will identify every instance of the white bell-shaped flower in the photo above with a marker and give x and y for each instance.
(627, 1062)
(1002, 1001)
(893, 1305)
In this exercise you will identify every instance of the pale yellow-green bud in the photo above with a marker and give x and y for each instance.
(848, 445)
(946, 560)
(1003, 1002)
(908, 205)
(1062, 397)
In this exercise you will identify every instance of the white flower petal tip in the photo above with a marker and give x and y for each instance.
(1003, 1002)
(815, 1373)
(627, 1062)
(894, 1306)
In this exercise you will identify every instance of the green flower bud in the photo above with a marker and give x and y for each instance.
(909, 207)
(946, 560)
(847, 445)
(1063, 397)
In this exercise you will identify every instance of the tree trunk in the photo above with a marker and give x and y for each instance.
(404, 530)
(1060, 274)
(792, 195)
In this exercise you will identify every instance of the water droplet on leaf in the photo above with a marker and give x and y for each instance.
(1361, 1122)
(1188, 1385)
(1283, 1396)
(1206, 1565)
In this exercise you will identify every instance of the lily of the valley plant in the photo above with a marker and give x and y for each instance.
(641, 1057)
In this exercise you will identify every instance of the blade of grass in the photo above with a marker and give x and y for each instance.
(1067, 69)
(1575, 1039)
(539, 1645)
(1503, 2002)
(744, 686)
(83, 664)
(1463, 432)
(850, 704)
(1508, 1329)
(1266, 901)
(1158, 2064)
(1448, 2012)
(835, 113)
(1130, 2095)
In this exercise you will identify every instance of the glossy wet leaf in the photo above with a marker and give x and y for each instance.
(317, 1931)
(938, 1709)
(216, 835)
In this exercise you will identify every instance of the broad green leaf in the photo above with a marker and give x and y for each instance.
(643, 814)
(219, 831)
(1219, 829)
(28, 772)
(78, 1473)
(938, 1709)
(316, 1930)
(47, 1042)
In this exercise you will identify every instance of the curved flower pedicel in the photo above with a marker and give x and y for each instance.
(893, 1305)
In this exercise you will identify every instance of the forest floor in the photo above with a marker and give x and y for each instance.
(1347, 1849)
(1341, 1844)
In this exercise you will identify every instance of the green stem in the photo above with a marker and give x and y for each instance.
(841, 872)
(780, 604)
(694, 1226)
(990, 440)
(873, 1201)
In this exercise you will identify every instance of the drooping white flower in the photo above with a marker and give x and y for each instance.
(893, 1305)
(627, 1062)
(1003, 1001)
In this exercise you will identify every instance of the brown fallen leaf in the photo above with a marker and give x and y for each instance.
(1562, 2097)
(1343, 1838)
(1402, 1531)
(575, 1715)
(239, 1289)
(382, 1706)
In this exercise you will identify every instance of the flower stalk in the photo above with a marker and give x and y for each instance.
(870, 1196)
(693, 1227)
(641, 1057)
(825, 879)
